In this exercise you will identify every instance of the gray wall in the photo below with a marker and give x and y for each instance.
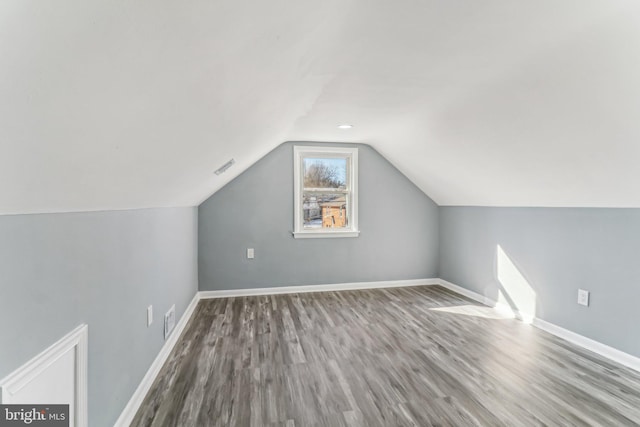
(557, 250)
(398, 225)
(103, 269)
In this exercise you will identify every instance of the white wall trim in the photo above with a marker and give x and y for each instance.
(316, 288)
(138, 396)
(147, 381)
(76, 340)
(604, 350)
(467, 293)
(501, 307)
(324, 234)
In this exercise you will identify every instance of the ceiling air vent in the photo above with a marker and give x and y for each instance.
(224, 167)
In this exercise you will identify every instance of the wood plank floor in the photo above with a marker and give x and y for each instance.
(417, 356)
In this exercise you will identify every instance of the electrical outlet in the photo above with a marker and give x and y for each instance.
(169, 321)
(250, 253)
(583, 297)
(149, 315)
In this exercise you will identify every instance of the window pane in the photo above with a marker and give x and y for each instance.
(325, 173)
(324, 210)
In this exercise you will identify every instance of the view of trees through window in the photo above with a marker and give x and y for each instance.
(325, 173)
(325, 194)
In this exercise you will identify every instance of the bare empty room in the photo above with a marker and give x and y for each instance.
(303, 213)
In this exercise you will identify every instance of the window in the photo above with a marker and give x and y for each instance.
(326, 192)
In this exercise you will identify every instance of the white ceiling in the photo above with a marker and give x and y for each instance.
(114, 104)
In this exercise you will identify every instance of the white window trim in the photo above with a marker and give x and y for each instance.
(300, 151)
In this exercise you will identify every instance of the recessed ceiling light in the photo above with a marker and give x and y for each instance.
(345, 126)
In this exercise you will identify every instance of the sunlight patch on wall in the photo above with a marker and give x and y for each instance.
(516, 291)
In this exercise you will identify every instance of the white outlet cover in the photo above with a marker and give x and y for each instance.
(583, 297)
(250, 253)
(149, 315)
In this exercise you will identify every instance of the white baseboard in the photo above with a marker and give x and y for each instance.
(316, 288)
(138, 396)
(136, 400)
(580, 340)
(597, 347)
(467, 293)
(501, 307)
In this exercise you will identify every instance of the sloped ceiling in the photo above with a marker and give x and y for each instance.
(112, 104)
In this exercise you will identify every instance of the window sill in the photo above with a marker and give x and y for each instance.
(324, 234)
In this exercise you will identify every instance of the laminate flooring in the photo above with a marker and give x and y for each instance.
(419, 356)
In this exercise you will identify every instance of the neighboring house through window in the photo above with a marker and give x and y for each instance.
(326, 191)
